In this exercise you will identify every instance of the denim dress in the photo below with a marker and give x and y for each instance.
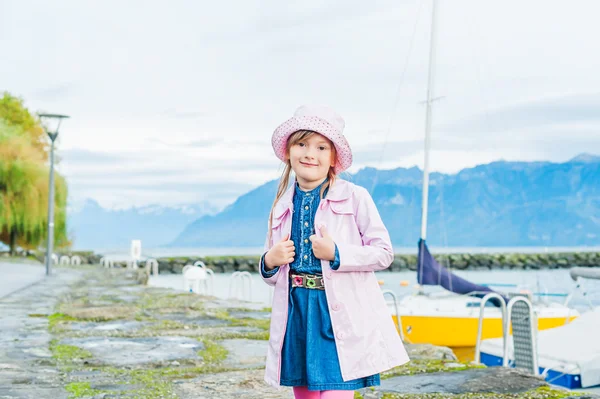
(309, 356)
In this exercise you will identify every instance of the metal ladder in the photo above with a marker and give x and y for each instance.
(518, 313)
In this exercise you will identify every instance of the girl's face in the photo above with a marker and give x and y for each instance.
(311, 159)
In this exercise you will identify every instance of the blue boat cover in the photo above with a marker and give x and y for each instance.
(430, 272)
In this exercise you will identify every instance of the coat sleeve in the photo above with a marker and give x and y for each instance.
(269, 277)
(376, 251)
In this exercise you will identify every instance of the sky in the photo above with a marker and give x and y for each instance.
(175, 102)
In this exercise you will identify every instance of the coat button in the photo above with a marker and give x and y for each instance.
(328, 274)
(336, 306)
(341, 335)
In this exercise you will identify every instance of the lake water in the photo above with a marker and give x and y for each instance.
(123, 253)
(543, 281)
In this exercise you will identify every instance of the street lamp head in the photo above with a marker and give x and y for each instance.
(51, 123)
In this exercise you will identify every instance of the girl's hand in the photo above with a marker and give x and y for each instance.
(324, 247)
(282, 253)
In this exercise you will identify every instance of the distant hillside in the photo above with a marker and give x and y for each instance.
(498, 204)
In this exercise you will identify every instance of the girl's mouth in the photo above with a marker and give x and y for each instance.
(307, 164)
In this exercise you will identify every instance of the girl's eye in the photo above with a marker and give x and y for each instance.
(322, 148)
(301, 144)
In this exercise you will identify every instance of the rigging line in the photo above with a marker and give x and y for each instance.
(397, 99)
(476, 32)
(446, 258)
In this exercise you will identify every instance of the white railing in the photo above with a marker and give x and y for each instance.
(107, 263)
(152, 267)
(132, 264)
(54, 259)
(484, 300)
(396, 311)
(240, 283)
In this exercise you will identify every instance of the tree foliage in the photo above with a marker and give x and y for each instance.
(24, 174)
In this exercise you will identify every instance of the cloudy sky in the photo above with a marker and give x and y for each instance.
(175, 102)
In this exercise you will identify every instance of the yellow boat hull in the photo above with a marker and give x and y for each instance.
(459, 331)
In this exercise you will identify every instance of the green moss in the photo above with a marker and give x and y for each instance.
(221, 314)
(55, 319)
(419, 366)
(539, 393)
(213, 353)
(80, 389)
(168, 325)
(37, 315)
(162, 301)
(262, 324)
(157, 383)
(357, 395)
(258, 335)
(151, 387)
(67, 354)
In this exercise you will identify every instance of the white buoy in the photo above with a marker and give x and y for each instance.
(192, 278)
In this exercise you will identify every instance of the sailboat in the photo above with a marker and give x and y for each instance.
(451, 317)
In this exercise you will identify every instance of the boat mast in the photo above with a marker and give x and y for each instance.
(430, 87)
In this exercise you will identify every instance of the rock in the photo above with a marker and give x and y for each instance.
(494, 379)
(246, 384)
(102, 313)
(228, 268)
(39, 352)
(429, 352)
(245, 267)
(105, 326)
(131, 351)
(245, 353)
(454, 365)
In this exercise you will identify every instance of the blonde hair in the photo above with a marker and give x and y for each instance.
(284, 180)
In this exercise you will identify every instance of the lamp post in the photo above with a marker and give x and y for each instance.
(51, 124)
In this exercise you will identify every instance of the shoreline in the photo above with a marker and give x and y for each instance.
(99, 333)
(401, 262)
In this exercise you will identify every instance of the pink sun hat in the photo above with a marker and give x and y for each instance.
(319, 119)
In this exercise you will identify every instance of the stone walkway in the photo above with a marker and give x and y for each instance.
(26, 366)
(96, 333)
(18, 275)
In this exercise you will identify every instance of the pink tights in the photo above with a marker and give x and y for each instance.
(304, 393)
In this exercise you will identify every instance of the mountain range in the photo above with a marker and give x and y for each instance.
(497, 204)
(91, 226)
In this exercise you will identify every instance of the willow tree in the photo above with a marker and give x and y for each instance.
(24, 186)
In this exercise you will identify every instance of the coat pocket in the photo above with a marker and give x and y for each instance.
(342, 207)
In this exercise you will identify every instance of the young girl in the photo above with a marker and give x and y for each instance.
(331, 331)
